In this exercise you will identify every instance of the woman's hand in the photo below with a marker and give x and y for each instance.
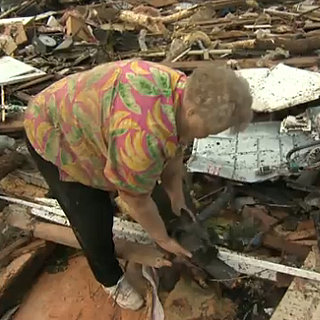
(144, 211)
(174, 247)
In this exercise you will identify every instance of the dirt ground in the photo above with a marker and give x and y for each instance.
(72, 294)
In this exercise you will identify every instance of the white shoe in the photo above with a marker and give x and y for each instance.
(125, 295)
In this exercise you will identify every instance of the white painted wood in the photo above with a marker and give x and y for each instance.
(132, 231)
(52, 212)
(15, 71)
(247, 264)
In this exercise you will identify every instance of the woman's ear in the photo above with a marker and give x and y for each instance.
(189, 108)
(190, 112)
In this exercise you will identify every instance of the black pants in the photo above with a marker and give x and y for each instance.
(90, 213)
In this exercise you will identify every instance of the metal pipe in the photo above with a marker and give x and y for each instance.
(309, 145)
(3, 107)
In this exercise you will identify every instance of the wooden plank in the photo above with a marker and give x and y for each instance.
(301, 301)
(262, 268)
(11, 126)
(17, 278)
(143, 254)
(10, 162)
(34, 82)
(278, 243)
(7, 251)
(299, 62)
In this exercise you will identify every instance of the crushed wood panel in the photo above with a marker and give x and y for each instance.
(302, 300)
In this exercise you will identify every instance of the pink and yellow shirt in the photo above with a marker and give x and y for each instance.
(112, 127)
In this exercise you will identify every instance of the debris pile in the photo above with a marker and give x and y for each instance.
(256, 193)
(60, 38)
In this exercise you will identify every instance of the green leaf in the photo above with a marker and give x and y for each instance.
(52, 146)
(36, 110)
(71, 83)
(150, 177)
(107, 101)
(84, 121)
(66, 157)
(128, 98)
(181, 85)
(169, 111)
(75, 135)
(118, 132)
(95, 78)
(153, 146)
(108, 97)
(142, 85)
(162, 80)
(52, 109)
(133, 188)
(113, 152)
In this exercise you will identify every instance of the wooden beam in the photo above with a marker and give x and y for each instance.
(17, 278)
(10, 162)
(301, 301)
(264, 269)
(143, 254)
(299, 62)
(7, 251)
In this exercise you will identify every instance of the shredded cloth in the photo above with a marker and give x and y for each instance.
(112, 127)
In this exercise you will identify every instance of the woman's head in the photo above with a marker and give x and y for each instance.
(215, 99)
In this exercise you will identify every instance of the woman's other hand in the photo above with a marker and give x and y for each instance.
(174, 247)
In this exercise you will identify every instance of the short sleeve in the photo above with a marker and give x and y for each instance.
(135, 160)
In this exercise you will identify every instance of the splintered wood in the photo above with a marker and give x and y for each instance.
(302, 300)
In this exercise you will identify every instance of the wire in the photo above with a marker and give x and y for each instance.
(292, 151)
(240, 277)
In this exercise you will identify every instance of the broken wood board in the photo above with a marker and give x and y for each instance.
(17, 32)
(262, 268)
(7, 44)
(78, 29)
(26, 20)
(18, 217)
(272, 241)
(160, 3)
(8, 250)
(128, 251)
(18, 276)
(23, 20)
(122, 229)
(11, 126)
(52, 212)
(298, 62)
(281, 87)
(17, 187)
(14, 71)
(10, 162)
(188, 301)
(72, 294)
(301, 301)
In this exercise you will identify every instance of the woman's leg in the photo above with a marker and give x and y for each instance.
(90, 213)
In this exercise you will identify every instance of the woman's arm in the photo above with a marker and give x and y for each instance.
(172, 182)
(144, 210)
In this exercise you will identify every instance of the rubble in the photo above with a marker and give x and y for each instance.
(189, 301)
(255, 155)
(20, 272)
(301, 298)
(255, 193)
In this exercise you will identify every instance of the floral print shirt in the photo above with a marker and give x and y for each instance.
(112, 127)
